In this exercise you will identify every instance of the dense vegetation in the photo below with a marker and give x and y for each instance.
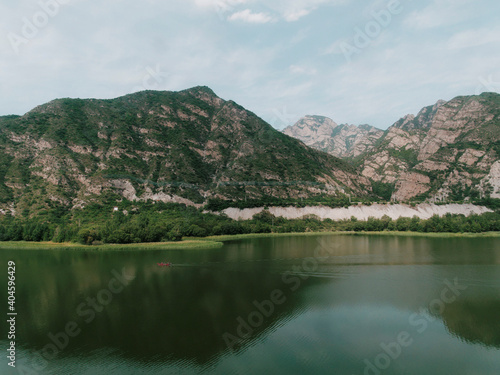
(340, 200)
(129, 222)
(190, 144)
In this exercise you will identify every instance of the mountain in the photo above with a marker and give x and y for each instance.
(343, 141)
(185, 146)
(192, 146)
(448, 151)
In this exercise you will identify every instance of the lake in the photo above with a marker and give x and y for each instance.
(326, 304)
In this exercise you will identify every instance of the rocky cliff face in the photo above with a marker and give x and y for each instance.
(448, 151)
(183, 146)
(343, 141)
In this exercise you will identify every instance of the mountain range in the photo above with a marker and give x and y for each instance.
(448, 151)
(191, 146)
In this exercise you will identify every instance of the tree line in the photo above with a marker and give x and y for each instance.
(160, 222)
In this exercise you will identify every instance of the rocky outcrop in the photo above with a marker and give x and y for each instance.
(312, 130)
(410, 185)
(490, 185)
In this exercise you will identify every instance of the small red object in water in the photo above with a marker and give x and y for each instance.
(164, 264)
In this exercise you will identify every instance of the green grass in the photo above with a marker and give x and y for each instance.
(188, 244)
(38, 245)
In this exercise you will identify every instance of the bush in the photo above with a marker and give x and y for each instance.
(88, 235)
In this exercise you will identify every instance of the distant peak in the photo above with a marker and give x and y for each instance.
(315, 121)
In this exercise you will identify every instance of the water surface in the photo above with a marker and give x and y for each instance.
(287, 305)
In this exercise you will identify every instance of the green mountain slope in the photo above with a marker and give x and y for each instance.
(185, 147)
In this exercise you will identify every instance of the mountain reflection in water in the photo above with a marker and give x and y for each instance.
(170, 319)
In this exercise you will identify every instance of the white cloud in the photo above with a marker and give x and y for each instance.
(288, 10)
(439, 13)
(294, 10)
(296, 14)
(474, 38)
(248, 16)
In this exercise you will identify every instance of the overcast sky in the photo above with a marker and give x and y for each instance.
(354, 61)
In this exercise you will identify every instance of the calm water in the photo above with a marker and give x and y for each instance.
(291, 305)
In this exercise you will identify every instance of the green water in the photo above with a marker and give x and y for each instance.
(290, 305)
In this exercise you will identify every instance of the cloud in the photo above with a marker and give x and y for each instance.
(296, 14)
(287, 10)
(474, 38)
(440, 13)
(294, 10)
(108, 49)
(248, 16)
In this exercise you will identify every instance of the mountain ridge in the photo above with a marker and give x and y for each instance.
(192, 146)
(188, 146)
(448, 151)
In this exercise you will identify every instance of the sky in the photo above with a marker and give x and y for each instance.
(357, 62)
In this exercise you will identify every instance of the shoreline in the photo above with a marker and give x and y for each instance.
(188, 244)
(226, 238)
(214, 242)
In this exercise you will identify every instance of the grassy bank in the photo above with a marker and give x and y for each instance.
(188, 244)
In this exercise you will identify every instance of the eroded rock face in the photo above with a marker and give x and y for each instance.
(491, 183)
(312, 130)
(344, 141)
(409, 185)
(453, 144)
